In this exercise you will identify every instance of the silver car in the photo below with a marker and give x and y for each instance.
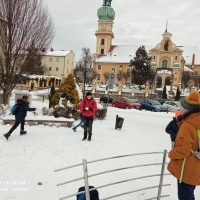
(172, 106)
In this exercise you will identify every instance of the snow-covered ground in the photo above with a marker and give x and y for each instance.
(32, 158)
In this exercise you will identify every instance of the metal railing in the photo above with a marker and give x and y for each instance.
(86, 176)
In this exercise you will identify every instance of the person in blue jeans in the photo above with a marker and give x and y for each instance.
(81, 123)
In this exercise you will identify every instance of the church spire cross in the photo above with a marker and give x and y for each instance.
(166, 26)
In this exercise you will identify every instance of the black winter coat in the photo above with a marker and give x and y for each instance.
(22, 112)
(172, 129)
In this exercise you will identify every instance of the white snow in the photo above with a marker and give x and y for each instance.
(27, 160)
(57, 53)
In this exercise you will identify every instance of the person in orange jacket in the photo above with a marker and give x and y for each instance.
(88, 109)
(184, 165)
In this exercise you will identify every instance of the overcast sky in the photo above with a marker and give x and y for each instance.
(137, 22)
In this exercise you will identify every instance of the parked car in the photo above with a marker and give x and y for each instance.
(161, 100)
(152, 105)
(172, 106)
(106, 98)
(124, 102)
(133, 97)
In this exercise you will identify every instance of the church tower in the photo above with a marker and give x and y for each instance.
(104, 34)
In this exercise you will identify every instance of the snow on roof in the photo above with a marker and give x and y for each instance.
(187, 69)
(121, 54)
(40, 76)
(124, 53)
(57, 53)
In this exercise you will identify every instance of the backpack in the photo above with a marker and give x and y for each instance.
(15, 109)
(94, 195)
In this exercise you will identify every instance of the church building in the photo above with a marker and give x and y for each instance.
(168, 60)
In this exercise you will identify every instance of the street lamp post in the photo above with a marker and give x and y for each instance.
(171, 81)
(84, 78)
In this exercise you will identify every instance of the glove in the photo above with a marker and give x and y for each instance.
(86, 108)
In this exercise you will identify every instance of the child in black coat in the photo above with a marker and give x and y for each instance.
(172, 128)
(20, 116)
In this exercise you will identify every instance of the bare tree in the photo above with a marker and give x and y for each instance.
(120, 76)
(83, 71)
(186, 76)
(26, 30)
(106, 76)
(126, 76)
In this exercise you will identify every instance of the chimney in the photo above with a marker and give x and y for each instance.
(193, 61)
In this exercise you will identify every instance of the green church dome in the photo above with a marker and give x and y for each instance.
(106, 12)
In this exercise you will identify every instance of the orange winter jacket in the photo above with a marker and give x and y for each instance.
(186, 141)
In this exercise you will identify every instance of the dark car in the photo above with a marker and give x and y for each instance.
(161, 100)
(124, 102)
(106, 98)
(152, 105)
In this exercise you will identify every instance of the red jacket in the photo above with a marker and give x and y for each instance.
(91, 104)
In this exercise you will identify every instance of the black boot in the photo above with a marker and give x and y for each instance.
(84, 139)
(6, 135)
(23, 132)
(89, 138)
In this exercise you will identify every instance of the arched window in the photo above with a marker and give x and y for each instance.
(166, 45)
(164, 63)
(167, 81)
(159, 82)
(102, 41)
(102, 51)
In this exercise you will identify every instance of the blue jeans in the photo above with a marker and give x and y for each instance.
(79, 124)
(185, 191)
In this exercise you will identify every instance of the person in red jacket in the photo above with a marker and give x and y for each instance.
(88, 109)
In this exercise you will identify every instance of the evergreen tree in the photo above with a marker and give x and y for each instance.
(142, 72)
(164, 94)
(53, 97)
(67, 90)
(178, 94)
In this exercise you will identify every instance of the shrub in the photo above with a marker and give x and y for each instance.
(101, 113)
(62, 112)
(68, 112)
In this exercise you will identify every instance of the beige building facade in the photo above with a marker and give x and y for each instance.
(58, 63)
(168, 60)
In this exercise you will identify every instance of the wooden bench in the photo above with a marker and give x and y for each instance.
(67, 123)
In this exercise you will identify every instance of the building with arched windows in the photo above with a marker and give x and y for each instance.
(168, 60)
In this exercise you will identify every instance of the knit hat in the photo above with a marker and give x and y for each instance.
(88, 94)
(178, 113)
(25, 97)
(191, 102)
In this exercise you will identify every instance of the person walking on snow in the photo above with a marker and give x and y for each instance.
(20, 116)
(81, 123)
(88, 109)
(184, 165)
